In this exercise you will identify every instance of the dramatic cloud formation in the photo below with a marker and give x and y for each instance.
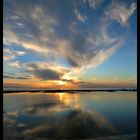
(66, 44)
(45, 74)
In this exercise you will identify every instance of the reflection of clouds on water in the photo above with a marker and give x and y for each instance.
(9, 117)
(9, 122)
(21, 125)
(62, 120)
(15, 113)
(64, 102)
(46, 111)
(12, 123)
(20, 101)
(78, 124)
(64, 115)
(102, 120)
(31, 110)
(110, 97)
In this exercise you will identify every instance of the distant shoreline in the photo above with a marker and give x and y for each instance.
(70, 91)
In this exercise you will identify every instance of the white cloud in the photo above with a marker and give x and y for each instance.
(24, 43)
(105, 37)
(93, 3)
(79, 57)
(9, 37)
(20, 53)
(120, 12)
(82, 50)
(8, 57)
(15, 64)
(37, 39)
(10, 54)
(93, 58)
(103, 55)
(79, 16)
(42, 69)
(33, 46)
(20, 24)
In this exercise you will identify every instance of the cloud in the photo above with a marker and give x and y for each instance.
(107, 83)
(88, 50)
(35, 23)
(78, 124)
(45, 73)
(13, 52)
(8, 57)
(79, 16)
(20, 24)
(59, 36)
(93, 3)
(78, 51)
(15, 77)
(10, 54)
(44, 65)
(34, 47)
(104, 55)
(15, 64)
(18, 53)
(7, 33)
(13, 85)
(120, 12)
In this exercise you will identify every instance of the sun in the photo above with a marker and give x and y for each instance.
(61, 82)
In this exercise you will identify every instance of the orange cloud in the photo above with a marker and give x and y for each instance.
(36, 83)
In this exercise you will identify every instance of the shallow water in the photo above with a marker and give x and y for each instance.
(71, 115)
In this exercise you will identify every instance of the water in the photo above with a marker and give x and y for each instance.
(71, 115)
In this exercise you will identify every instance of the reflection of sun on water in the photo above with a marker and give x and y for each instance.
(69, 99)
(61, 96)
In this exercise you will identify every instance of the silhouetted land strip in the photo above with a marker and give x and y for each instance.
(70, 91)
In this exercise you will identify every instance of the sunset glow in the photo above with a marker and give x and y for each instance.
(70, 44)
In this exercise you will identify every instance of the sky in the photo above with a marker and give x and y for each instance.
(69, 44)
